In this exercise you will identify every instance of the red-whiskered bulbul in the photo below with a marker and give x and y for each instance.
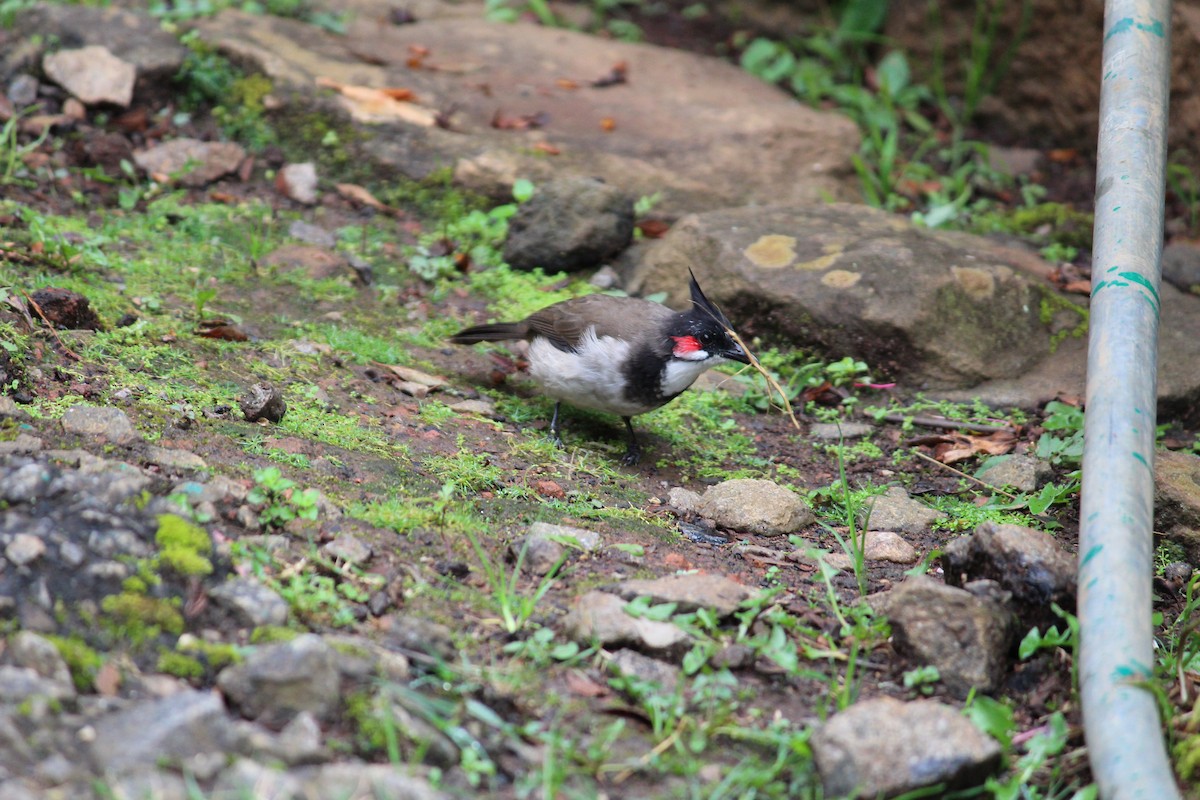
(621, 355)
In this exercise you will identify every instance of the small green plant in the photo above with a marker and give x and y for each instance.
(1063, 441)
(922, 679)
(13, 152)
(280, 502)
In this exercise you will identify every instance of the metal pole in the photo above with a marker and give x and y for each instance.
(1122, 726)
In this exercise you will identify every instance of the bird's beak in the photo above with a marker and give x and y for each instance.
(735, 353)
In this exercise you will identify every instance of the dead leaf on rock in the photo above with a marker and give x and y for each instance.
(367, 104)
(357, 194)
(521, 123)
(221, 329)
(410, 375)
(953, 447)
(614, 77)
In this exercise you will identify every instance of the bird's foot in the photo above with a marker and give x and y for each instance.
(632, 456)
(558, 442)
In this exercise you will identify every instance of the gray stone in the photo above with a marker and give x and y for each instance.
(251, 603)
(1181, 266)
(109, 424)
(190, 162)
(835, 431)
(174, 459)
(897, 512)
(133, 36)
(23, 90)
(965, 636)
(27, 649)
(21, 684)
(745, 141)
(484, 408)
(24, 549)
(883, 748)
(569, 224)
(25, 484)
(174, 727)
(1177, 499)
(92, 74)
(247, 778)
(312, 234)
(650, 670)
(278, 681)
(1031, 565)
(545, 544)
(356, 781)
(685, 501)
(756, 506)
(1021, 472)
(300, 741)
(298, 182)
(348, 548)
(888, 546)
(690, 591)
(944, 309)
(22, 443)
(600, 617)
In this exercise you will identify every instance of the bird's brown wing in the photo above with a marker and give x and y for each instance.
(565, 323)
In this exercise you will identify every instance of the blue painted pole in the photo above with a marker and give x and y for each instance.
(1123, 730)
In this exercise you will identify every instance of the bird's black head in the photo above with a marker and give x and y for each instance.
(704, 332)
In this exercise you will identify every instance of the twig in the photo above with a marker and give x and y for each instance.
(68, 351)
(962, 474)
(941, 422)
(767, 376)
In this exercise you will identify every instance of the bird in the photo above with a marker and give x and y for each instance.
(619, 355)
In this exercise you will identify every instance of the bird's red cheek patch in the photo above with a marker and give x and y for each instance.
(685, 345)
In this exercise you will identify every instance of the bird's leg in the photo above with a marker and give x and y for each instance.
(633, 454)
(554, 429)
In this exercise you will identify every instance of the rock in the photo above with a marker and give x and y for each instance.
(24, 549)
(756, 506)
(357, 781)
(316, 262)
(298, 182)
(962, 313)
(1177, 499)
(92, 74)
(348, 548)
(568, 225)
(888, 546)
(884, 747)
(543, 549)
(746, 142)
(600, 617)
(174, 459)
(66, 309)
(25, 484)
(23, 90)
(1181, 266)
(28, 650)
(174, 727)
(312, 234)
(650, 670)
(896, 511)
(300, 741)
(278, 681)
(685, 501)
(965, 636)
(1032, 566)
(690, 591)
(249, 602)
(248, 778)
(135, 37)
(190, 162)
(149, 782)
(108, 424)
(835, 431)
(484, 408)
(1020, 472)
(263, 401)
(420, 635)
(414, 732)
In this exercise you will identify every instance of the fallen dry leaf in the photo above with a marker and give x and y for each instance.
(410, 375)
(523, 122)
(956, 447)
(566, 83)
(608, 124)
(547, 148)
(357, 194)
(614, 77)
(367, 104)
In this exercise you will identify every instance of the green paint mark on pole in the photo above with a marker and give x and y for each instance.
(1113, 269)
(1120, 26)
(1141, 280)
(1154, 26)
(1090, 554)
(1142, 459)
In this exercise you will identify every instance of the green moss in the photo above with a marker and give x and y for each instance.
(81, 660)
(180, 665)
(183, 546)
(216, 654)
(1049, 306)
(272, 634)
(139, 618)
(1066, 225)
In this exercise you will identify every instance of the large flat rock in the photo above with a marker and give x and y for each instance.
(697, 129)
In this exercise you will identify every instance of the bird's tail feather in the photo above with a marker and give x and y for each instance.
(492, 332)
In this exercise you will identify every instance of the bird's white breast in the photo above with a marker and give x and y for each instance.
(588, 378)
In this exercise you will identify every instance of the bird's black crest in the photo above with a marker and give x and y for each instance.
(706, 306)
